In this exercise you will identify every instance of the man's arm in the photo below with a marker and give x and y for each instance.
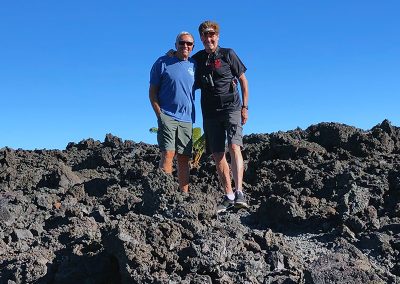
(153, 92)
(245, 97)
(171, 53)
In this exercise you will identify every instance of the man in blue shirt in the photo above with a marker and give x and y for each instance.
(171, 94)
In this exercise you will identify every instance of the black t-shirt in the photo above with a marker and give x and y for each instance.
(214, 76)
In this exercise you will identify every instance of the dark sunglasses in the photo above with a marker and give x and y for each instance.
(209, 34)
(188, 43)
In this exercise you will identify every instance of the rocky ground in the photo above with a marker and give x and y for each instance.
(325, 208)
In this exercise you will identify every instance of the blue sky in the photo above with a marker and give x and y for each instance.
(72, 70)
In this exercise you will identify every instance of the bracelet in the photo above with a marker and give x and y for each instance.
(246, 107)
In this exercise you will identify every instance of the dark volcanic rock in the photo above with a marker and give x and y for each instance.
(325, 208)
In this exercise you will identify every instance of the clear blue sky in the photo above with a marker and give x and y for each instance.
(72, 70)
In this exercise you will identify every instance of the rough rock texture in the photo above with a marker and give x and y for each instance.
(325, 208)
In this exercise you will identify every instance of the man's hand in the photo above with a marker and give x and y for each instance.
(170, 53)
(245, 115)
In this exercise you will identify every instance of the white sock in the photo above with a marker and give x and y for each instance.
(239, 190)
(231, 196)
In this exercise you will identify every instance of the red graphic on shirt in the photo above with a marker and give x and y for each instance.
(217, 63)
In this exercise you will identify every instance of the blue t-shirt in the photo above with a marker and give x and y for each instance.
(175, 79)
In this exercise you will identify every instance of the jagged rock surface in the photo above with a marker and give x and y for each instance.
(325, 208)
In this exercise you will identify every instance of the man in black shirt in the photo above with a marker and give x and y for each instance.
(218, 71)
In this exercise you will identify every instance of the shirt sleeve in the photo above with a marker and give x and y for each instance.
(237, 66)
(196, 84)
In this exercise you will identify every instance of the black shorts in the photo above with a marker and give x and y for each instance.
(224, 126)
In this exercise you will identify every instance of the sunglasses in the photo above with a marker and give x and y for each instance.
(209, 34)
(188, 43)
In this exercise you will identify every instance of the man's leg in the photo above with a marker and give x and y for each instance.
(183, 172)
(215, 138)
(184, 145)
(223, 171)
(237, 165)
(237, 172)
(235, 141)
(166, 161)
(225, 179)
(166, 141)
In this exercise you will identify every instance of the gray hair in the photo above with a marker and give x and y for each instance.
(178, 37)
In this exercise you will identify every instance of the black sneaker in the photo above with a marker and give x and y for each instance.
(240, 200)
(226, 204)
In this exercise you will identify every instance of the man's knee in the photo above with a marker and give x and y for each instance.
(218, 156)
(168, 155)
(182, 158)
(234, 147)
(235, 150)
(166, 161)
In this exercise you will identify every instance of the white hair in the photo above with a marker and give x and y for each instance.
(178, 37)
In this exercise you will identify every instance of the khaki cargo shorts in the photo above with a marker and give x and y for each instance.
(174, 135)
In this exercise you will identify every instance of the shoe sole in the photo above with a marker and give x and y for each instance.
(241, 205)
(225, 209)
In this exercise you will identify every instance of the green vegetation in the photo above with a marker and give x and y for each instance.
(199, 145)
(153, 130)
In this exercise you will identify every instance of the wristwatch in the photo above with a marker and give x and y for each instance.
(246, 107)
